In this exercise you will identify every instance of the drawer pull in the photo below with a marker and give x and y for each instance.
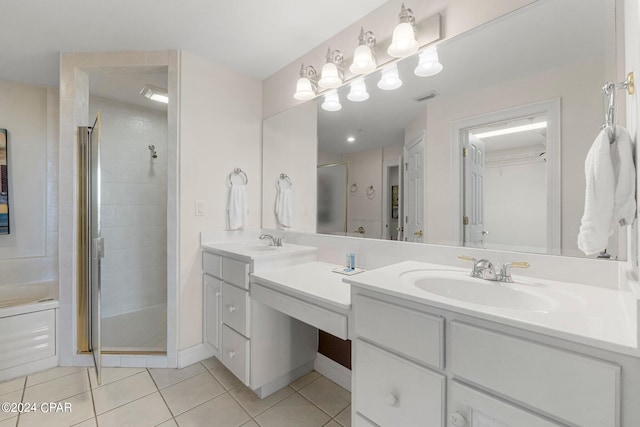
(458, 420)
(232, 354)
(391, 399)
(232, 308)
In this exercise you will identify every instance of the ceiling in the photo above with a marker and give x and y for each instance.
(256, 38)
(543, 36)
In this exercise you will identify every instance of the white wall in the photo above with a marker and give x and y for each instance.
(290, 142)
(365, 169)
(30, 252)
(133, 206)
(220, 129)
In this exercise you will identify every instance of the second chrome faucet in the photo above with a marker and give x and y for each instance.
(484, 269)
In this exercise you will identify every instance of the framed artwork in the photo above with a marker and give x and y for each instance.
(394, 202)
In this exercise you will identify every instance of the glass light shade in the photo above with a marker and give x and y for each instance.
(403, 42)
(330, 76)
(390, 79)
(428, 64)
(363, 61)
(331, 102)
(358, 92)
(304, 90)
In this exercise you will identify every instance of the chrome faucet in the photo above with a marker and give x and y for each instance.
(273, 241)
(483, 269)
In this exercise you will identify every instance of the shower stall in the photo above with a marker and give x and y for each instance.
(122, 266)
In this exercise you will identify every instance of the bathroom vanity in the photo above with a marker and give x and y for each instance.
(444, 360)
(248, 337)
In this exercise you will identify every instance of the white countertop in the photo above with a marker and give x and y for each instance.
(312, 281)
(247, 251)
(589, 315)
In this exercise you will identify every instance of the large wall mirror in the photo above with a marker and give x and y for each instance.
(489, 152)
(4, 183)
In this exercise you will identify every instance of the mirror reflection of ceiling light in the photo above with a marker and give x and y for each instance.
(358, 92)
(331, 101)
(155, 93)
(351, 139)
(403, 42)
(390, 79)
(515, 129)
(428, 63)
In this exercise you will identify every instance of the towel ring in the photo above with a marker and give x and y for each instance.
(238, 171)
(284, 177)
(371, 193)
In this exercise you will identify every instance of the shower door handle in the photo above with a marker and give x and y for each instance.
(98, 247)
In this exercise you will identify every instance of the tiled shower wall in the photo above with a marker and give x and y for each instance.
(134, 206)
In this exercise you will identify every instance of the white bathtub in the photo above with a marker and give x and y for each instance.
(28, 317)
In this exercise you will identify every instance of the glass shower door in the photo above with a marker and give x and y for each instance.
(96, 246)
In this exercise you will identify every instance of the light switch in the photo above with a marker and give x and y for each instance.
(200, 208)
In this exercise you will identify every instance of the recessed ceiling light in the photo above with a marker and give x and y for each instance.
(155, 93)
(516, 129)
(351, 139)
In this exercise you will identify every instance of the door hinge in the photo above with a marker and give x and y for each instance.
(406, 166)
(406, 219)
(465, 152)
(465, 220)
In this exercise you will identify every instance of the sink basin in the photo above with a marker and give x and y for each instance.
(459, 286)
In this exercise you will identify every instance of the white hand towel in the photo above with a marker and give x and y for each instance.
(599, 196)
(238, 209)
(624, 207)
(610, 190)
(284, 208)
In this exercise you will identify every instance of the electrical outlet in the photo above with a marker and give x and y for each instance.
(200, 208)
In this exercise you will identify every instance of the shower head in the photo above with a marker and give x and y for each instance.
(154, 154)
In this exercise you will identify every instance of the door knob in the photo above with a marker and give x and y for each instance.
(419, 233)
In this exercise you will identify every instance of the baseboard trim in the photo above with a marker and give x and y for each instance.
(196, 353)
(333, 371)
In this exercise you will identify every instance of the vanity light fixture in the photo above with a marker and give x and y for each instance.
(390, 79)
(364, 60)
(404, 41)
(515, 129)
(332, 75)
(358, 92)
(155, 93)
(331, 101)
(307, 83)
(428, 63)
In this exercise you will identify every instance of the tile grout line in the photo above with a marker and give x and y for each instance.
(173, 417)
(24, 390)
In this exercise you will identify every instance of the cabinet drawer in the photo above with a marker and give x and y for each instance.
(235, 308)
(362, 422)
(410, 332)
(391, 391)
(571, 387)
(211, 264)
(235, 353)
(235, 272)
(482, 409)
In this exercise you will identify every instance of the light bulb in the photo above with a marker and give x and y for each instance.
(330, 76)
(428, 63)
(304, 90)
(358, 92)
(404, 41)
(390, 79)
(331, 102)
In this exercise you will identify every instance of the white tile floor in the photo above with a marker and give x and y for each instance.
(203, 394)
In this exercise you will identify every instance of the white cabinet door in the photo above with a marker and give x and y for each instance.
(212, 301)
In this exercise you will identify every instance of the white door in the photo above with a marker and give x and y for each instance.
(413, 183)
(474, 158)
